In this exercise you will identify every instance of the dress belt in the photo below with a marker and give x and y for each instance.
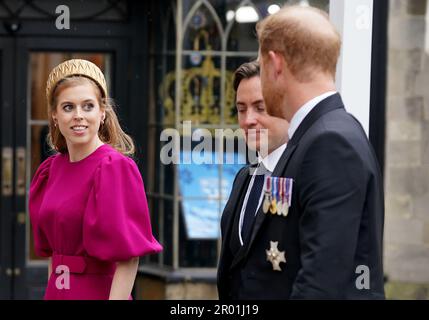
(82, 264)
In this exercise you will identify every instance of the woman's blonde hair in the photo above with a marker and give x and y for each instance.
(110, 132)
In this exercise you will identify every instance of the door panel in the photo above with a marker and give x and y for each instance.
(6, 168)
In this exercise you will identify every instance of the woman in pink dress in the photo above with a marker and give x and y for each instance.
(88, 205)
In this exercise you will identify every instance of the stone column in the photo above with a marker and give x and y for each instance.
(407, 152)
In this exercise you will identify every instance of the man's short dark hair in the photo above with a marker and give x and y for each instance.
(245, 71)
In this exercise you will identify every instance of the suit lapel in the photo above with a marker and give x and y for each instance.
(233, 207)
(329, 104)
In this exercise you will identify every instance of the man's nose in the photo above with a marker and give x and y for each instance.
(251, 118)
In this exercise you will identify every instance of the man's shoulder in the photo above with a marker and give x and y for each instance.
(243, 170)
(337, 124)
(240, 177)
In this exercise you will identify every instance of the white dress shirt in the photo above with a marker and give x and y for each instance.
(269, 162)
(300, 115)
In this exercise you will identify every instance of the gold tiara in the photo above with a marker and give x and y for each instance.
(75, 67)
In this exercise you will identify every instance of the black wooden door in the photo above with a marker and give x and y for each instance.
(6, 166)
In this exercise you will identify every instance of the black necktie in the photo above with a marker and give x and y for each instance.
(252, 203)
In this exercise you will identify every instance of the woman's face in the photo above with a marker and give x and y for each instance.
(78, 115)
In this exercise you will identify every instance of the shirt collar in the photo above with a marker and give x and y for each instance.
(270, 161)
(302, 112)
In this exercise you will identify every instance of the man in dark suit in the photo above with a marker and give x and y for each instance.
(329, 244)
(246, 196)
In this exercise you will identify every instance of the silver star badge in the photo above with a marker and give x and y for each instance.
(275, 256)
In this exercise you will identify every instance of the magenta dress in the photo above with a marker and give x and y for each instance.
(88, 215)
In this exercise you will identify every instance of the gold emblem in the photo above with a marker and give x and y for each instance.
(199, 88)
(275, 256)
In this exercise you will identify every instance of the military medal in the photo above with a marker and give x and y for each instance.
(285, 209)
(288, 191)
(275, 256)
(284, 198)
(267, 201)
(281, 195)
(273, 206)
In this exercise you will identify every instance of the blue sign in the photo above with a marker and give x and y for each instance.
(205, 193)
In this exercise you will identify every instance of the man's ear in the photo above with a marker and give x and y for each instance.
(277, 61)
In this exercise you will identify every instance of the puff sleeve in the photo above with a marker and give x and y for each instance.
(116, 224)
(37, 192)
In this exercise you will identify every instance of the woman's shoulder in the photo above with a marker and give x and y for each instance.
(47, 163)
(116, 168)
(44, 168)
(114, 158)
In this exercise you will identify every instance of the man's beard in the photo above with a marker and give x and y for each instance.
(273, 101)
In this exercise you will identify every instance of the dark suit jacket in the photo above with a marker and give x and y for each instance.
(335, 222)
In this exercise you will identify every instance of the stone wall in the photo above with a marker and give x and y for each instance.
(407, 153)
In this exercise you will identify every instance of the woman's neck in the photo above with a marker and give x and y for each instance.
(78, 152)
